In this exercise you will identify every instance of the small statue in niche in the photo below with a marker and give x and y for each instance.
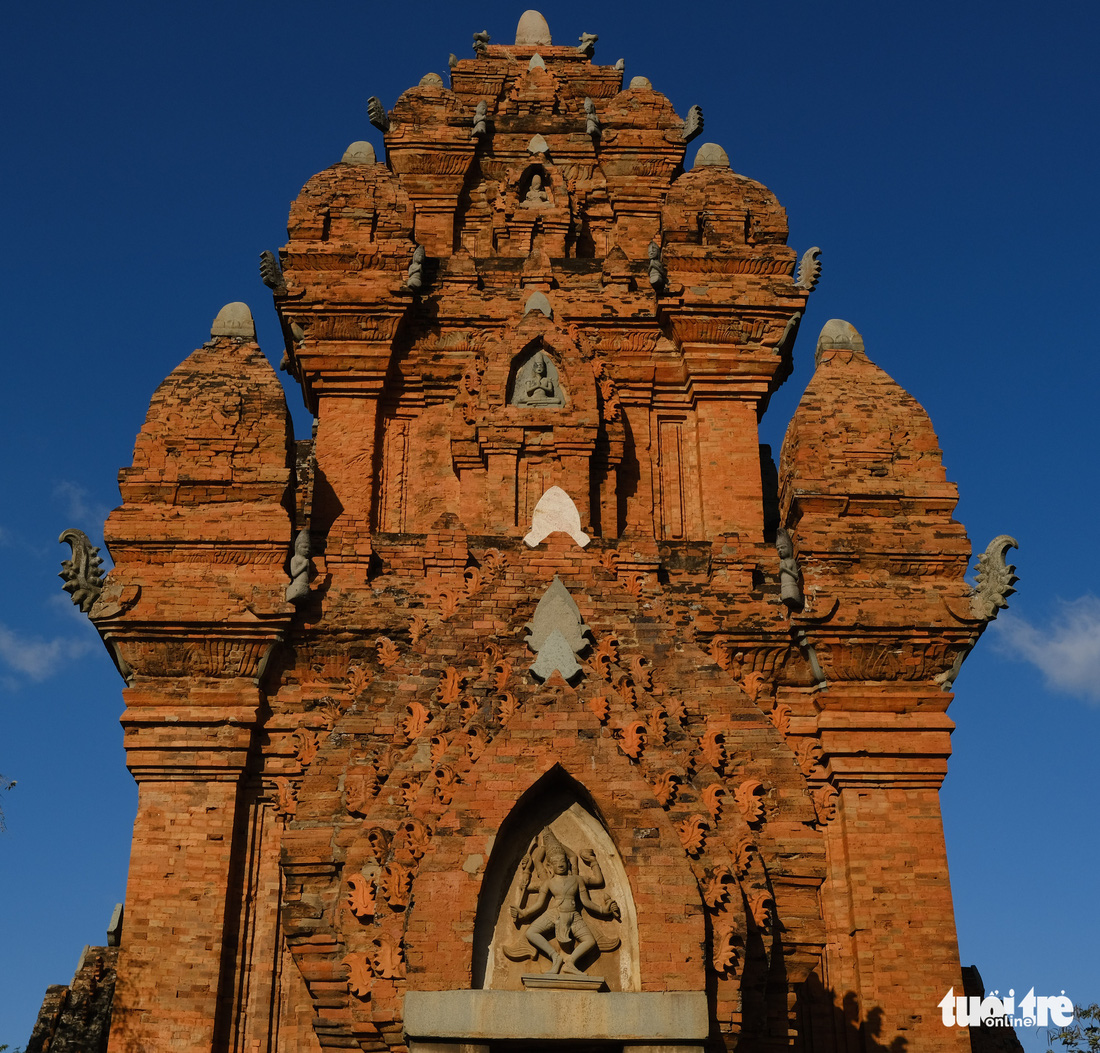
(591, 121)
(536, 196)
(658, 273)
(300, 569)
(537, 383)
(561, 893)
(481, 117)
(790, 592)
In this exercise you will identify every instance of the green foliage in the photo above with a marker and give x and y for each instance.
(1082, 1036)
(5, 785)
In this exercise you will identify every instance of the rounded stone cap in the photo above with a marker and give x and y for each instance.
(640, 82)
(431, 80)
(359, 153)
(234, 319)
(712, 154)
(532, 29)
(839, 335)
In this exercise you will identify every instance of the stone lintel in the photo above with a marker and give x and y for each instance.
(663, 1018)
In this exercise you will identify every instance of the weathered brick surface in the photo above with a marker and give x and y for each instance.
(766, 779)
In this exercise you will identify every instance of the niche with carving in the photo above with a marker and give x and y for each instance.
(555, 908)
(536, 381)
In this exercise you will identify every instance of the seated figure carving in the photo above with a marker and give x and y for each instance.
(561, 899)
(537, 383)
(536, 196)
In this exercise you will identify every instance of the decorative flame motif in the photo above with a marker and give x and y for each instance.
(741, 854)
(360, 977)
(358, 681)
(664, 787)
(416, 721)
(712, 798)
(506, 707)
(438, 745)
(726, 951)
(415, 836)
(715, 887)
(410, 790)
(305, 745)
(600, 708)
(693, 834)
(753, 684)
(748, 797)
(396, 884)
(720, 652)
(781, 717)
(713, 748)
(658, 725)
(379, 841)
(445, 780)
(361, 896)
(288, 798)
(417, 628)
(388, 653)
(477, 740)
(643, 676)
(360, 785)
(625, 687)
(83, 573)
(760, 902)
(503, 671)
(825, 803)
(632, 740)
(808, 752)
(489, 658)
(450, 687)
(386, 957)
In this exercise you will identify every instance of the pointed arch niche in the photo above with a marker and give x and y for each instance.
(555, 811)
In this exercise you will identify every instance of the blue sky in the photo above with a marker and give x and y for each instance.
(944, 157)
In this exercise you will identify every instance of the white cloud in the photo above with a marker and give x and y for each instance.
(1066, 650)
(80, 509)
(36, 658)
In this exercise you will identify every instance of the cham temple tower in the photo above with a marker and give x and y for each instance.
(529, 703)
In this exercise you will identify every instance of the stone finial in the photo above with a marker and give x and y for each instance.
(658, 272)
(271, 274)
(838, 335)
(359, 153)
(809, 269)
(537, 62)
(693, 124)
(83, 574)
(234, 319)
(532, 29)
(481, 119)
(114, 926)
(591, 121)
(300, 569)
(431, 80)
(555, 511)
(587, 44)
(452, 60)
(620, 65)
(537, 302)
(376, 114)
(538, 145)
(996, 579)
(790, 592)
(712, 154)
(640, 82)
(481, 43)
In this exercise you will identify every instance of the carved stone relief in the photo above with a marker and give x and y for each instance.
(567, 916)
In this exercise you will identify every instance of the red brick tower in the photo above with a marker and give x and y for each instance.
(524, 704)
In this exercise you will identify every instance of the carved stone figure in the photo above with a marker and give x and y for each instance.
(83, 574)
(552, 872)
(416, 269)
(658, 272)
(790, 592)
(271, 274)
(537, 383)
(481, 116)
(536, 196)
(481, 43)
(587, 44)
(591, 121)
(996, 579)
(300, 569)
